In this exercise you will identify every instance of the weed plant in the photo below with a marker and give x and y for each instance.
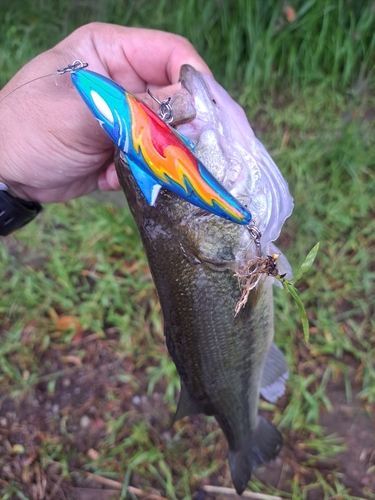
(245, 42)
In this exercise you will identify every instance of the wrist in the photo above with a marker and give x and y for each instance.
(7, 181)
(14, 191)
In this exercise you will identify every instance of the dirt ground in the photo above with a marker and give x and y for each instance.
(26, 423)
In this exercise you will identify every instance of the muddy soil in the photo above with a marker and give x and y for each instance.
(78, 399)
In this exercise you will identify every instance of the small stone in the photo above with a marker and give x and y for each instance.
(93, 454)
(55, 408)
(66, 382)
(136, 400)
(92, 411)
(167, 436)
(85, 422)
(363, 455)
(18, 448)
(3, 422)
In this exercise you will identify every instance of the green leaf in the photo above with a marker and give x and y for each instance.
(289, 287)
(302, 310)
(307, 263)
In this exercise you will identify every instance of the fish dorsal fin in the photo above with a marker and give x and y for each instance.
(186, 405)
(275, 374)
(149, 187)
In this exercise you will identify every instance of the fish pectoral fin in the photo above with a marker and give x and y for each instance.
(149, 187)
(186, 405)
(275, 374)
(262, 445)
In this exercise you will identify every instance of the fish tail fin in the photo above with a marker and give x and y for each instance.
(262, 446)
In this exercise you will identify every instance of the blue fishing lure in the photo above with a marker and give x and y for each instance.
(157, 155)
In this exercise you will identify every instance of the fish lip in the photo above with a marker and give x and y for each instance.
(187, 72)
(189, 77)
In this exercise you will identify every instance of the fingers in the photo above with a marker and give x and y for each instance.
(108, 180)
(134, 56)
(157, 56)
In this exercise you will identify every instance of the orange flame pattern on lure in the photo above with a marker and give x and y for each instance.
(168, 158)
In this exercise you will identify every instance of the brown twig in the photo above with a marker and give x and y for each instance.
(245, 494)
(249, 276)
(56, 488)
(116, 485)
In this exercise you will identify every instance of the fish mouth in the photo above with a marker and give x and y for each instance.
(251, 175)
(207, 127)
(193, 82)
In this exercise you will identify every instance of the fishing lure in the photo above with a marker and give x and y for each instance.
(158, 156)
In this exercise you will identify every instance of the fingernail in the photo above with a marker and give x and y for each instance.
(112, 178)
(103, 183)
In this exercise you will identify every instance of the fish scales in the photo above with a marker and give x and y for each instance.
(219, 357)
(214, 352)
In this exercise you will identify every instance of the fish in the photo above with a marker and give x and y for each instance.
(157, 155)
(225, 361)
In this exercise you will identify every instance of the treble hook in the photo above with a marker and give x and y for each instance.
(165, 110)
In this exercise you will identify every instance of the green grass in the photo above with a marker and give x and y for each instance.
(243, 41)
(305, 87)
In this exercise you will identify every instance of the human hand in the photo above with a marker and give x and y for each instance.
(52, 148)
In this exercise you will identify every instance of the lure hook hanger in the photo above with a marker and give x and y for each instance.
(256, 234)
(72, 68)
(165, 110)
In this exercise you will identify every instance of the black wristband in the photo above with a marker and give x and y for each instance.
(16, 213)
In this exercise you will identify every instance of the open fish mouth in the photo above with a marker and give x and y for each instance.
(248, 172)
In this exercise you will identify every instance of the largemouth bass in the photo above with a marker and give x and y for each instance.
(224, 361)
